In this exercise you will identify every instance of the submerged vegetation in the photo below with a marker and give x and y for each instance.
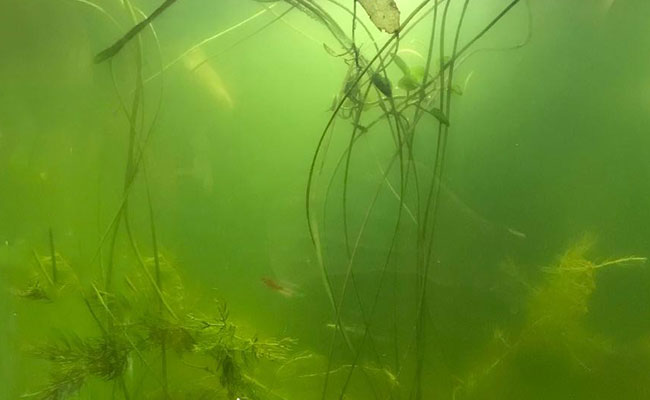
(146, 341)
(145, 336)
(554, 329)
(147, 350)
(137, 339)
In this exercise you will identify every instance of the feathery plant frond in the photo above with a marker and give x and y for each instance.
(74, 360)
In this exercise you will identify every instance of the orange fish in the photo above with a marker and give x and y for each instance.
(277, 287)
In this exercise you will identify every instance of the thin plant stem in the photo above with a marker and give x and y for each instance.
(112, 50)
(53, 255)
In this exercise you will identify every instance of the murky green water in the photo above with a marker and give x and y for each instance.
(475, 233)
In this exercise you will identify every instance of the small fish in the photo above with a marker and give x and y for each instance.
(278, 287)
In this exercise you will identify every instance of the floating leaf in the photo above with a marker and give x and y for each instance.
(383, 13)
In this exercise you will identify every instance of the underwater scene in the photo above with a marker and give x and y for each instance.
(324, 199)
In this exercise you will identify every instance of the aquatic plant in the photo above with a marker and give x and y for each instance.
(415, 116)
(367, 98)
(145, 319)
(74, 360)
(402, 118)
(143, 323)
(143, 329)
(554, 326)
(132, 328)
(52, 277)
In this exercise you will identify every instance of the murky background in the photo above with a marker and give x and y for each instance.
(537, 287)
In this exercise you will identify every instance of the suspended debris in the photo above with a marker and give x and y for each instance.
(383, 13)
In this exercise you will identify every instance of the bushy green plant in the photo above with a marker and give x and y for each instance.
(133, 329)
(554, 331)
